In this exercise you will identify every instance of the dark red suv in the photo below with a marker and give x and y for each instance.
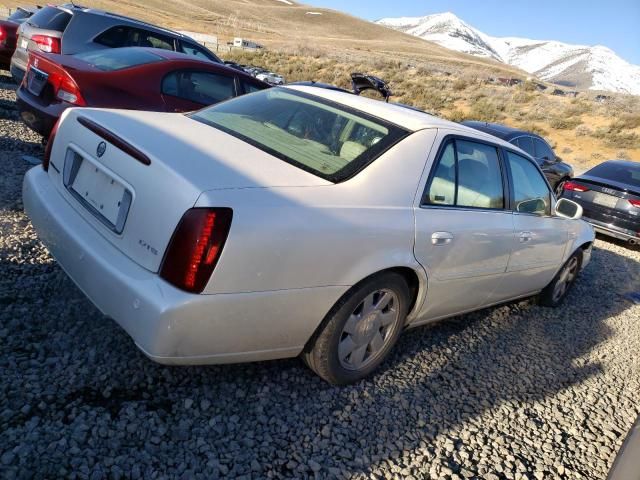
(133, 78)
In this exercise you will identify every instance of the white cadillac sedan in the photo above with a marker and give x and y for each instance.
(296, 221)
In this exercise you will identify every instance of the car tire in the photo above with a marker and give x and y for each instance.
(555, 293)
(360, 330)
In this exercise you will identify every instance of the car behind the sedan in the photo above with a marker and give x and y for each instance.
(610, 196)
(131, 78)
(296, 221)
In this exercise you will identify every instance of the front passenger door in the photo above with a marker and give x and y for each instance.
(540, 238)
(464, 232)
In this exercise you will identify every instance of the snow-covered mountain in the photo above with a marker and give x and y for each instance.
(578, 66)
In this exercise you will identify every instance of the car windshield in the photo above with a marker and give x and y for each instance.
(617, 172)
(322, 137)
(118, 58)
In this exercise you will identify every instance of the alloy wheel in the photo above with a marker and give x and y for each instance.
(566, 277)
(368, 330)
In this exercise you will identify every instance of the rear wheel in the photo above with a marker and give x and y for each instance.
(554, 293)
(360, 330)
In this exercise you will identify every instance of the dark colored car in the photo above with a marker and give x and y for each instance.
(9, 33)
(133, 78)
(610, 196)
(556, 171)
(359, 83)
(70, 29)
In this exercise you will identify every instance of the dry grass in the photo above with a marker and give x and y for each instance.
(330, 46)
(584, 131)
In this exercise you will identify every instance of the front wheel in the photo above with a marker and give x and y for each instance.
(554, 293)
(360, 330)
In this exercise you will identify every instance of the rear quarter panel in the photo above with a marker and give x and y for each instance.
(334, 235)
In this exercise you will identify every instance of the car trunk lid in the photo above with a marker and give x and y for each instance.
(132, 175)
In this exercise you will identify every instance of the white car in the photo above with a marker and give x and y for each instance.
(296, 221)
(270, 77)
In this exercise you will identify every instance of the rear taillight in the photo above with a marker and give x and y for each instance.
(635, 203)
(64, 86)
(46, 43)
(574, 187)
(3, 37)
(195, 248)
(46, 160)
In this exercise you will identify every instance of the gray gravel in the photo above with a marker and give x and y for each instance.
(516, 392)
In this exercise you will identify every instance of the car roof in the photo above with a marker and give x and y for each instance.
(117, 16)
(624, 163)
(497, 130)
(404, 117)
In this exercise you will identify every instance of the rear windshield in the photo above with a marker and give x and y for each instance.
(50, 18)
(322, 137)
(617, 172)
(118, 58)
(19, 14)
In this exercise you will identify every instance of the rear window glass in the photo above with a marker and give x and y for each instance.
(322, 137)
(19, 14)
(50, 18)
(118, 58)
(617, 172)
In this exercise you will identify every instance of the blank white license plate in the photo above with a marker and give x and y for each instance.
(99, 190)
(605, 200)
(24, 43)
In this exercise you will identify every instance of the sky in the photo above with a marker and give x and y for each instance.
(612, 23)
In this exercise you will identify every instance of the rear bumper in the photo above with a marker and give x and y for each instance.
(40, 118)
(613, 231)
(171, 326)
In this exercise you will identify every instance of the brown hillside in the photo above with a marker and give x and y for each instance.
(279, 25)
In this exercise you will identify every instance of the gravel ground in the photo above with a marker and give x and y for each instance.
(512, 392)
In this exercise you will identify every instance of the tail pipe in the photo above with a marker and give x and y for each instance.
(634, 241)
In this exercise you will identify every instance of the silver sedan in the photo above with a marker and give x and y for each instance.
(296, 221)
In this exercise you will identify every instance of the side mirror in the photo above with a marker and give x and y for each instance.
(535, 205)
(568, 209)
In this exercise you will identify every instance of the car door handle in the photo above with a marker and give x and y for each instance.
(441, 238)
(525, 236)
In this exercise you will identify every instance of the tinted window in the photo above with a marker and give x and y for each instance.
(50, 18)
(531, 193)
(526, 144)
(543, 150)
(118, 58)
(467, 174)
(251, 87)
(121, 36)
(19, 15)
(198, 51)
(200, 87)
(145, 38)
(322, 137)
(617, 172)
(114, 37)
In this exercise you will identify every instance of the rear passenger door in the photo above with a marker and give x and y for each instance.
(464, 231)
(187, 90)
